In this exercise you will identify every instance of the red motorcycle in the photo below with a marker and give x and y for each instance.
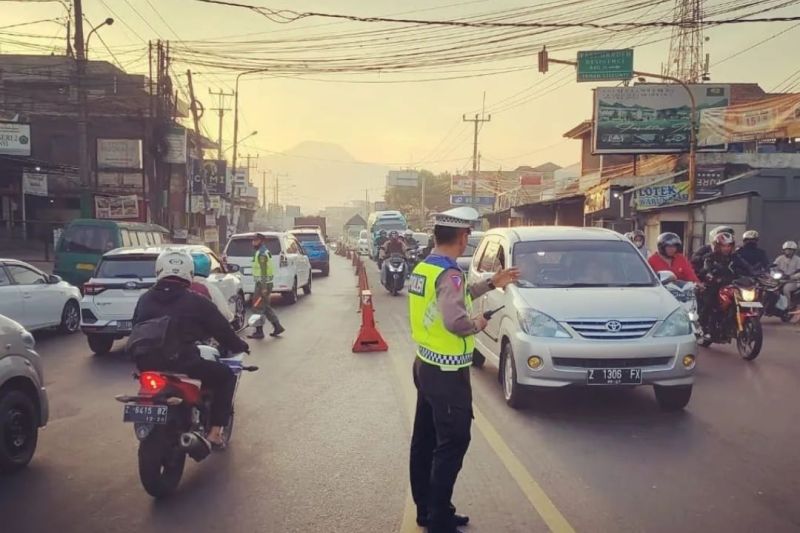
(738, 317)
(170, 417)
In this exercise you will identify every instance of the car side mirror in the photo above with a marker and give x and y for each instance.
(52, 279)
(666, 276)
(232, 268)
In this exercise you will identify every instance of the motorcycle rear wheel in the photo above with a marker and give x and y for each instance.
(161, 464)
(750, 339)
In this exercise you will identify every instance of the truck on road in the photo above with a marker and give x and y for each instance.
(311, 223)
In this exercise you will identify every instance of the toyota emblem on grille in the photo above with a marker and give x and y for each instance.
(613, 326)
(130, 285)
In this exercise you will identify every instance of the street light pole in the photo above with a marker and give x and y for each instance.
(108, 22)
(236, 113)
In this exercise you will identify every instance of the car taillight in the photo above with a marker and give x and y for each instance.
(284, 261)
(93, 288)
(152, 381)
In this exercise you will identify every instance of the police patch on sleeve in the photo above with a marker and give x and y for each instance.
(416, 284)
(457, 280)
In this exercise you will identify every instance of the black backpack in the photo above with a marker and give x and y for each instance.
(154, 337)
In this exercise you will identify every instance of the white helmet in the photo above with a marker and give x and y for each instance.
(789, 245)
(720, 229)
(175, 264)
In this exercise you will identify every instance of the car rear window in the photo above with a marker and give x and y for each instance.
(307, 237)
(136, 267)
(244, 247)
(581, 264)
(88, 239)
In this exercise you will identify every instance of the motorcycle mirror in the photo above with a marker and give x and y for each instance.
(666, 276)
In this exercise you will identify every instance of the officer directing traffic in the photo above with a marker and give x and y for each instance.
(263, 274)
(442, 325)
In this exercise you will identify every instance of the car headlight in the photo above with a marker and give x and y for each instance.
(748, 295)
(27, 339)
(538, 324)
(676, 325)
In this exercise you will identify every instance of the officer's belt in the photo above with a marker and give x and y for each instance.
(443, 360)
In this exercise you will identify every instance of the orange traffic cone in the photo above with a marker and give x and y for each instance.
(369, 339)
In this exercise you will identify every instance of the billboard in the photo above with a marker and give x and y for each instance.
(649, 118)
(15, 138)
(658, 195)
(175, 140)
(771, 118)
(119, 153)
(402, 178)
(116, 207)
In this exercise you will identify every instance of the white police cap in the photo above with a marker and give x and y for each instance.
(458, 217)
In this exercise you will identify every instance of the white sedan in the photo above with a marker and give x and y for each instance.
(37, 300)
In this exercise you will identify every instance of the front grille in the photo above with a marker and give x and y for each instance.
(612, 329)
(636, 362)
(87, 316)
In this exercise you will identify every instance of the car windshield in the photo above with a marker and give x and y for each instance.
(389, 225)
(581, 264)
(88, 239)
(472, 245)
(243, 247)
(136, 267)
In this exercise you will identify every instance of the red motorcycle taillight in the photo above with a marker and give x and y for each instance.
(152, 381)
(92, 289)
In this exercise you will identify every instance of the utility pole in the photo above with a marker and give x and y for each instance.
(221, 110)
(264, 190)
(83, 112)
(477, 121)
(422, 201)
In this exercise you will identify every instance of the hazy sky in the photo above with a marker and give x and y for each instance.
(395, 124)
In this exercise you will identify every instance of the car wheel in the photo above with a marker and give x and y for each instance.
(307, 287)
(326, 271)
(672, 398)
(70, 317)
(100, 344)
(239, 314)
(291, 296)
(478, 359)
(512, 390)
(19, 430)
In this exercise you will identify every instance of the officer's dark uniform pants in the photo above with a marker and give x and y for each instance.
(264, 290)
(440, 440)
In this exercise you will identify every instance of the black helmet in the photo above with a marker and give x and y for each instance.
(382, 233)
(668, 239)
(393, 234)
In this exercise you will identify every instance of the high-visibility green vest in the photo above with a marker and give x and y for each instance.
(435, 344)
(258, 275)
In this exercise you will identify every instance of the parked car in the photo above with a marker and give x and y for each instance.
(38, 300)
(23, 397)
(587, 311)
(291, 264)
(313, 244)
(85, 240)
(124, 274)
(473, 242)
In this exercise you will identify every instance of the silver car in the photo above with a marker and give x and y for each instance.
(23, 398)
(588, 311)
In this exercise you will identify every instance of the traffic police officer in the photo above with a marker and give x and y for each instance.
(440, 305)
(263, 271)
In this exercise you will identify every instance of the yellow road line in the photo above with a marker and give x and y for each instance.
(532, 490)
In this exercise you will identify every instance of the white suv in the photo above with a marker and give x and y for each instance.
(291, 265)
(124, 274)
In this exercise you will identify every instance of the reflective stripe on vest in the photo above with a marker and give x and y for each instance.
(258, 275)
(436, 345)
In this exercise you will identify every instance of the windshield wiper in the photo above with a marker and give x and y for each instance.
(572, 285)
(636, 284)
(128, 276)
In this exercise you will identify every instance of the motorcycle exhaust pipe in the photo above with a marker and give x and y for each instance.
(196, 446)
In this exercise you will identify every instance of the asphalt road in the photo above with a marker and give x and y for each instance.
(322, 436)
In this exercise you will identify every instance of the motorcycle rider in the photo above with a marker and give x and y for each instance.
(193, 318)
(752, 254)
(637, 238)
(200, 284)
(428, 248)
(720, 268)
(411, 242)
(394, 245)
(380, 240)
(789, 264)
(699, 256)
(669, 257)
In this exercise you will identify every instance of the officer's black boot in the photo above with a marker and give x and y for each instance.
(277, 329)
(257, 334)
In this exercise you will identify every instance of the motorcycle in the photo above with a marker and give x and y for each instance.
(170, 419)
(738, 317)
(393, 275)
(686, 294)
(775, 302)
(412, 258)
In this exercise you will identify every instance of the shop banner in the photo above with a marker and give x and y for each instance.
(771, 118)
(175, 139)
(119, 153)
(214, 174)
(116, 207)
(597, 200)
(34, 183)
(127, 180)
(15, 138)
(649, 118)
(708, 178)
(658, 195)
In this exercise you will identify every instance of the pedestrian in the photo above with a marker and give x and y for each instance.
(440, 306)
(263, 276)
